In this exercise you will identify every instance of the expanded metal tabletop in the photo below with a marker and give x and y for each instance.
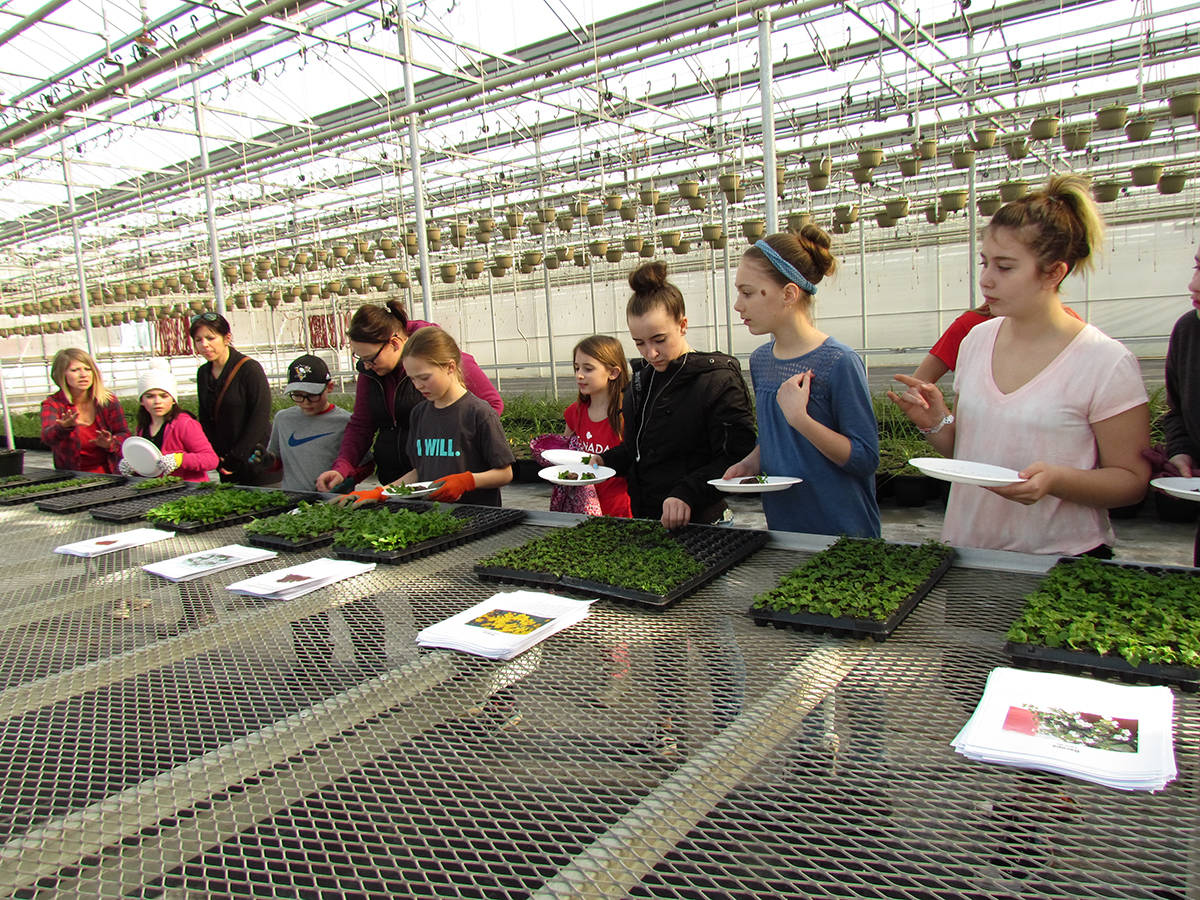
(178, 740)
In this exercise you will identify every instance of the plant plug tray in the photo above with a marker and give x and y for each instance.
(73, 483)
(220, 506)
(477, 521)
(72, 503)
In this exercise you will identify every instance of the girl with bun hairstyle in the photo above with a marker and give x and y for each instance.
(83, 422)
(385, 396)
(1039, 392)
(686, 413)
(815, 419)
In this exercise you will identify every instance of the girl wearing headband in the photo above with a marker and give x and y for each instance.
(815, 419)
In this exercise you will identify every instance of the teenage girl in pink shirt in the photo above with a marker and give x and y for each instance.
(1039, 392)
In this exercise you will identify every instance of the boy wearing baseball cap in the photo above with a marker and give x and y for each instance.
(305, 438)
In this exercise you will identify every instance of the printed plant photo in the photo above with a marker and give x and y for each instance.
(510, 622)
(206, 560)
(1086, 729)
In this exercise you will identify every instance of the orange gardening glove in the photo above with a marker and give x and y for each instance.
(453, 486)
(360, 498)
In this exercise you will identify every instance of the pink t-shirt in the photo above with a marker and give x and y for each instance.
(1049, 418)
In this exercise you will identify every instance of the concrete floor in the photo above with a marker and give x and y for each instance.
(1144, 539)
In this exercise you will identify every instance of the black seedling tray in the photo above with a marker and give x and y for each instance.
(1066, 659)
(718, 549)
(1108, 665)
(134, 508)
(479, 521)
(858, 628)
(301, 545)
(194, 527)
(52, 491)
(72, 503)
(36, 476)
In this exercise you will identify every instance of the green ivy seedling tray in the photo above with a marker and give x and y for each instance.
(1109, 665)
(34, 476)
(477, 522)
(73, 503)
(134, 508)
(52, 489)
(878, 630)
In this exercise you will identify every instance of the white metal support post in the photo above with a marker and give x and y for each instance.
(765, 77)
(210, 216)
(414, 160)
(492, 316)
(725, 234)
(84, 308)
(537, 150)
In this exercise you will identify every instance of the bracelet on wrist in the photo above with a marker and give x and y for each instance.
(949, 420)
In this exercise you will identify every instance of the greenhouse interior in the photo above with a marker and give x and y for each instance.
(500, 169)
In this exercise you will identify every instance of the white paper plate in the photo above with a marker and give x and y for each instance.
(142, 455)
(1183, 488)
(773, 483)
(554, 474)
(964, 471)
(419, 489)
(567, 457)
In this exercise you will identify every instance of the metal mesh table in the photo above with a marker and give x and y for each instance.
(178, 740)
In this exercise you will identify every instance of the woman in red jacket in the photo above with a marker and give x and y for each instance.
(83, 423)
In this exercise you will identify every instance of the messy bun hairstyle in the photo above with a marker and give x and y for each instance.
(808, 251)
(1059, 223)
(651, 289)
(376, 324)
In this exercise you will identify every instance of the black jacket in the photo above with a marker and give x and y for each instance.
(688, 425)
(245, 416)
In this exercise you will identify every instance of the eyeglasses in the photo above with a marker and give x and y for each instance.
(369, 360)
(304, 397)
(206, 317)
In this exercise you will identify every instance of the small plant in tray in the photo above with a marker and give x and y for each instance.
(212, 504)
(308, 520)
(385, 529)
(43, 487)
(151, 483)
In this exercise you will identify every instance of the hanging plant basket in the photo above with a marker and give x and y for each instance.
(1138, 129)
(595, 215)
(1043, 128)
(580, 209)
(780, 180)
(934, 214)
(797, 221)
(1146, 174)
(598, 248)
(513, 218)
(340, 251)
(669, 239)
(634, 243)
(738, 195)
(688, 189)
(547, 214)
(962, 158)
(1106, 191)
(532, 257)
(697, 203)
(399, 277)
(989, 206)
(842, 227)
(822, 166)
(926, 148)
(524, 268)
(910, 166)
(508, 232)
(753, 229)
(682, 247)
(498, 271)
(483, 235)
(649, 197)
(258, 299)
(870, 157)
(1111, 118)
(817, 182)
(449, 272)
(552, 262)
(504, 260)
(1075, 137)
(662, 207)
(614, 254)
(377, 282)
(711, 232)
(983, 138)
(564, 254)
(614, 202)
(486, 223)
(536, 226)
(354, 282)
(953, 201)
(897, 208)
(1171, 182)
(1013, 190)
(729, 181)
(629, 213)
(863, 174)
(721, 243)
(1016, 147)
(845, 213)
(582, 260)
(1186, 104)
(883, 220)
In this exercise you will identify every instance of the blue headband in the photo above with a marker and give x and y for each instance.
(785, 268)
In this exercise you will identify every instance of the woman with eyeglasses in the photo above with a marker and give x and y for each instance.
(385, 396)
(234, 399)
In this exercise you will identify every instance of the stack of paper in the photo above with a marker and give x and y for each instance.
(1112, 734)
(505, 624)
(206, 562)
(296, 581)
(110, 543)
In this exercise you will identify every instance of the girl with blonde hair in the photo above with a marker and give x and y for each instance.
(83, 422)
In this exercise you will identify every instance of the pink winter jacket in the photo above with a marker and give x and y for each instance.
(184, 435)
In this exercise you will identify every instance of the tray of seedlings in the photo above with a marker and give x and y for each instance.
(132, 490)
(28, 493)
(398, 532)
(628, 560)
(1138, 623)
(33, 476)
(859, 587)
(308, 526)
(214, 505)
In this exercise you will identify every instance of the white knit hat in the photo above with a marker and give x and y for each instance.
(158, 376)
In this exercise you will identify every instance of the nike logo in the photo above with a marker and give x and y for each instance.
(294, 441)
